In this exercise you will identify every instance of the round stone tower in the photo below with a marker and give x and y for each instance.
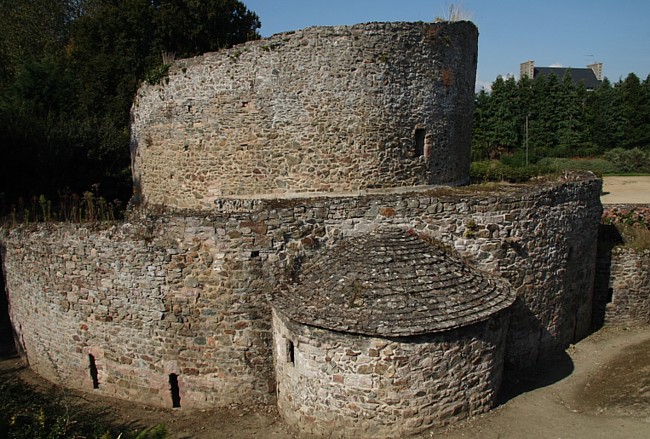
(322, 110)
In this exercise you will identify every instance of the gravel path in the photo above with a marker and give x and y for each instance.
(626, 190)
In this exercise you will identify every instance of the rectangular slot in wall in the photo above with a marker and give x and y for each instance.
(420, 136)
(290, 352)
(174, 390)
(94, 375)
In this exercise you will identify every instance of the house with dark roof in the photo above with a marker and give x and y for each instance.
(591, 76)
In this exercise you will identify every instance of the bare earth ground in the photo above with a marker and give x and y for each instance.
(601, 389)
(626, 190)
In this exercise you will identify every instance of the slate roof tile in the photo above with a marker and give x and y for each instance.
(391, 283)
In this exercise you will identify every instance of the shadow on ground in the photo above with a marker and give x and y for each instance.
(547, 372)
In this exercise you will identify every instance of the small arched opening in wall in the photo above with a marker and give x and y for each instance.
(174, 390)
(92, 368)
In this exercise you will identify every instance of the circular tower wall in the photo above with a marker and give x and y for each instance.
(325, 109)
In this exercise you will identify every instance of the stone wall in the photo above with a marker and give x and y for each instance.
(333, 384)
(622, 285)
(630, 287)
(145, 300)
(185, 294)
(324, 109)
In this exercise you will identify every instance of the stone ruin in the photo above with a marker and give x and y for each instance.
(381, 327)
(260, 171)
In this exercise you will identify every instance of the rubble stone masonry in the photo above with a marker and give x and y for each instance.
(630, 287)
(184, 296)
(339, 385)
(324, 109)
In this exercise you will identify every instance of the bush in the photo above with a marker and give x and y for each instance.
(493, 170)
(632, 224)
(629, 160)
(598, 166)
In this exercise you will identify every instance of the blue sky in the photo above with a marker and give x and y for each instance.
(567, 33)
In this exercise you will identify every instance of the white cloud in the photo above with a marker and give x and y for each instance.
(557, 64)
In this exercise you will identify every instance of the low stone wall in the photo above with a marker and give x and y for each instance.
(338, 385)
(622, 286)
(140, 303)
(629, 285)
(185, 294)
(323, 109)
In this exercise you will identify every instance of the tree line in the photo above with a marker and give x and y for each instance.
(554, 117)
(69, 70)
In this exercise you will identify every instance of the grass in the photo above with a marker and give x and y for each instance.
(27, 412)
(598, 166)
(454, 13)
(632, 224)
(635, 237)
(88, 207)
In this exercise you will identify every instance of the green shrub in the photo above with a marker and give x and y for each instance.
(598, 166)
(629, 160)
(156, 74)
(632, 224)
(493, 170)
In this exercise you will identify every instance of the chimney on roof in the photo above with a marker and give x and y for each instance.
(597, 68)
(527, 69)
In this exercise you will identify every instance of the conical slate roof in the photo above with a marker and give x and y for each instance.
(391, 283)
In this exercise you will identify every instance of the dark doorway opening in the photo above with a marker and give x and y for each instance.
(175, 391)
(93, 371)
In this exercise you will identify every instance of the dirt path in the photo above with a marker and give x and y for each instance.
(601, 389)
(626, 190)
(607, 395)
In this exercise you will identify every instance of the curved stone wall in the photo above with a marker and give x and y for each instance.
(186, 295)
(334, 384)
(141, 303)
(630, 287)
(325, 109)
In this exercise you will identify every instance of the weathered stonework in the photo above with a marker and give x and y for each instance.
(146, 300)
(622, 283)
(630, 287)
(324, 109)
(340, 385)
(252, 159)
(387, 334)
(187, 294)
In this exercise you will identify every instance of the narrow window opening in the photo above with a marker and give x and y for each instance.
(290, 352)
(93, 371)
(420, 135)
(175, 392)
(610, 295)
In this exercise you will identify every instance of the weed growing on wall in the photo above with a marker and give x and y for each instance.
(633, 224)
(454, 13)
(494, 170)
(88, 207)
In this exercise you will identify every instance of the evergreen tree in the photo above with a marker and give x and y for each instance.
(634, 105)
(603, 124)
